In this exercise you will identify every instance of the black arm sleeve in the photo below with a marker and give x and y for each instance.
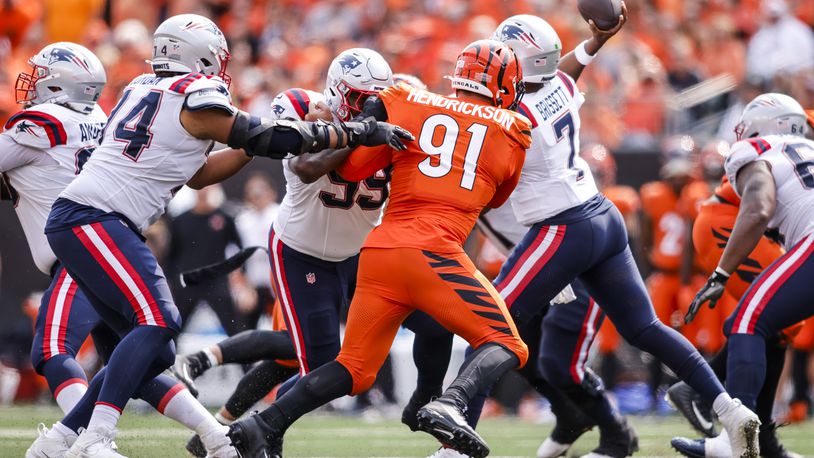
(373, 107)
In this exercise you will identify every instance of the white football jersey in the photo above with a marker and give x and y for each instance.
(146, 155)
(792, 162)
(554, 177)
(42, 149)
(331, 217)
(501, 228)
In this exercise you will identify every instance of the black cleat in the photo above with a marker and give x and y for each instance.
(569, 428)
(690, 405)
(195, 447)
(189, 367)
(447, 424)
(409, 416)
(618, 442)
(770, 446)
(693, 448)
(251, 439)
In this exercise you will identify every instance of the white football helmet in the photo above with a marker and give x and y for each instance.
(64, 73)
(354, 75)
(189, 43)
(535, 43)
(769, 114)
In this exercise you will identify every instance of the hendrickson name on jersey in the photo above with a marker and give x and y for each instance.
(500, 116)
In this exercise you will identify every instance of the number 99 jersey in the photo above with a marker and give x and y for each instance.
(329, 218)
(554, 177)
(146, 155)
(791, 159)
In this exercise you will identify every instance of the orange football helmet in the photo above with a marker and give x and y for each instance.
(490, 68)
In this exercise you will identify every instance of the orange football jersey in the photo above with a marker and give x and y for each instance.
(624, 197)
(668, 213)
(466, 156)
(727, 193)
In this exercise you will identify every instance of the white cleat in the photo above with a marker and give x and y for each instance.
(742, 425)
(95, 443)
(50, 444)
(552, 449)
(218, 444)
(444, 452)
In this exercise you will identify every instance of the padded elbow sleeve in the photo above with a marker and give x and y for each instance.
(279, 138)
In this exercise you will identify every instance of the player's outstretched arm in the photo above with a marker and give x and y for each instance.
(758, 202)
(311, 167)
(280, 138)
(220, 165)
(573, 64)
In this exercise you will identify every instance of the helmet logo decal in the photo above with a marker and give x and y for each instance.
(348, 63)
(66, 55)
(194, 25)
(277, 109)
(514, 32)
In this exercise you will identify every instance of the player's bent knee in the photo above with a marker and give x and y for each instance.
(362, 375)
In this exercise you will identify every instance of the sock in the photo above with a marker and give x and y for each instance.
(79, 416)
(322, 385)
(479, 372)
(185, 409)
(66, 379)
(431, 357)
(105, 416)
(255, 385)
(142, 354)
(68, 396)
(722, 404)
(257, 345)
(746, 367)
(596, 406)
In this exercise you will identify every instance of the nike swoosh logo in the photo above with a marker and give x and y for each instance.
(706, 424)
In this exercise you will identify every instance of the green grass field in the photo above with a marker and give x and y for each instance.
(149, 435)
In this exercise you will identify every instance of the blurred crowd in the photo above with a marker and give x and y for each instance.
(672, 82)
(677, 67)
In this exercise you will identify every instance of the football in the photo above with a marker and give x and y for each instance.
(605, 13)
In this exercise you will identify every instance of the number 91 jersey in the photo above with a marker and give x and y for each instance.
(554, 177)
(791, 159)
(146, 155)
(331, 217)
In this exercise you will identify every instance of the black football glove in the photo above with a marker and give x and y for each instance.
(370, 132)
(712, 292)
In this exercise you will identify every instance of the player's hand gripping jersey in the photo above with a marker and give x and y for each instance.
(146, 155)
(791, 159)
(555, 178)
(42, 149)
(444, 179)
(329, 218)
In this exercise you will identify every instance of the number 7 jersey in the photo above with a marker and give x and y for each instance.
(555, 178)
(792, 162)
(466, 156)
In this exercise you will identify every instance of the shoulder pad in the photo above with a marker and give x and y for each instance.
(742, 153)
(293, 103)
(524, 110)
(571, 87)
(36, 129)
(204, 93)
(520, 129)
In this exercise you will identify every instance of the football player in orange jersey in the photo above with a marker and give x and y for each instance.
(468, 156)
(667, 206)
(626, 199)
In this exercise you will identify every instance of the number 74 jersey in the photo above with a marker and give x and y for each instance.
(554, 177)
(792, 162)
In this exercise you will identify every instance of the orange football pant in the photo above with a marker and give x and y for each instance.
(393, 282)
